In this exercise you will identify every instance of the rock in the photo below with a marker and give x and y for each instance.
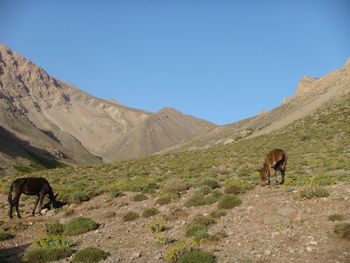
(309, 249)
(286, 211)
(136, 254)
(275, 219)
(44, 211)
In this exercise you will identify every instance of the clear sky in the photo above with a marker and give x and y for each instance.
(222, 61)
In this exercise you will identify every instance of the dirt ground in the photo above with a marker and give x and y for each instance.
(269, 226)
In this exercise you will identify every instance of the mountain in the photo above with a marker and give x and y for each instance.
(311, 94)
(163, 129)
(57, 121)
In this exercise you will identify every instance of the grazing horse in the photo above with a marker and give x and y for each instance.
(31, 186)
(276, 159)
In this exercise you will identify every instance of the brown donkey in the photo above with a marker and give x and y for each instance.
(276, 159)
(30, 186)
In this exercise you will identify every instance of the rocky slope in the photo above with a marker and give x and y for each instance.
(71, 125)
(311, 94)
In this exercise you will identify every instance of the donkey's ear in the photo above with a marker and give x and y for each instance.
(258, 170)
(56, 195)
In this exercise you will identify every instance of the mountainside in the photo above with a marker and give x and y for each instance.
(67, 123)
(165, 128)
(209, 199)
(311, 94)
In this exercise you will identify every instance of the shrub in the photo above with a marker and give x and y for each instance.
(116, 193)
(336, 217)
(178, 249)
(228, 201)
(218, 213)
(55, 228)
(203, 220)
(156, 226)
(194, 229)
(5, 235)
(163, 200)
(129, 216)
(76, 197)
(38, 255)
(205, 190)
(211, 183)
(321, 192)
(197, 199)
(150, 212)
(139, 197)
(175, 185)
(68, 212)
(109, 214)
(343, 230)
(79, 226)
(165, 240)
(89, 255)
(235, 189)
(197, 256)
(52, 241)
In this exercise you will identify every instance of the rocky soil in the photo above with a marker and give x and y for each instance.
(269, 226)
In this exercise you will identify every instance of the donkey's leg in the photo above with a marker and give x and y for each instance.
(276, 176)
(282, 173)
(36, 204)
(268, 177)
(42, 196)
(16, 202)
(11, 209)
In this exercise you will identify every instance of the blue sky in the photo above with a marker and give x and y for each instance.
(222, 61)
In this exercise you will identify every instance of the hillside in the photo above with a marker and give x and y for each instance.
(297, 222)
(311, 94)
(68, 124)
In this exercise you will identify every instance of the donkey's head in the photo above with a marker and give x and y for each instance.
(263, 173)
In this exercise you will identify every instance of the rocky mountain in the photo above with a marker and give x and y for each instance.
(57, 121)
(311, 94)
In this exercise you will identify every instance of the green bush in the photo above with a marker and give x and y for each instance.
(89, 255)
(218, 213)
(205, 190)
(116, 193)
(343, 230)
(175, 185)
(5, 235)
(76, 197)
(197, 256)
(129, 216)
(139, 197)
(228, 201)
(38, 255)
(211, 183)
(164, 240)
(150, 212)
(336, 217)
(52, 241)
(79, 226)
(163, 200)
(235, 189)
(55, 228)
(197, 199)
(321, 192)
(203, 220)
(157, 226)
(178, 249)
(194, 229)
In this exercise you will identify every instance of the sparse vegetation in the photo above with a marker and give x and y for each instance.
(163, 200)
(197, 256)
(55, 228)
(41, 254)
(156, 226)
(129, 216)
(5, 235)
(52, 241)
(195, 229)
(79, 225)
(218, 213)
(228, 201)
(150, 212)
(175, 185)
(89, 255)
(139, 197)
(343, 230)
(336, 217)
